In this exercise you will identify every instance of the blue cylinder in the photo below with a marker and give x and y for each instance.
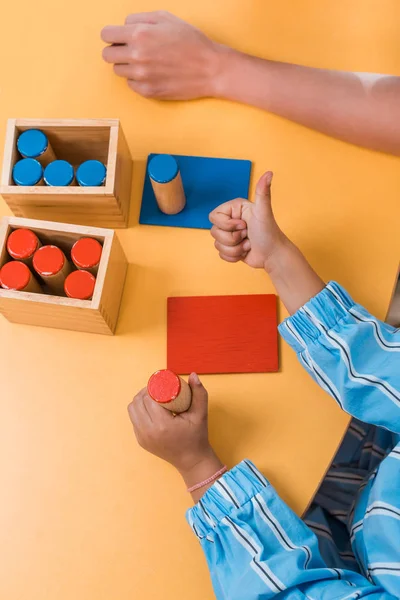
(27, 171)
(91, 173)
(163, 168)
(32, 143)
(59, 172)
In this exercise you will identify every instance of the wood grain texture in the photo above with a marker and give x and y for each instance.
(121, 172)
(110, 281)
(98, 315)
(170, 196)
(74, 140)
(10, 156)
(222, 334)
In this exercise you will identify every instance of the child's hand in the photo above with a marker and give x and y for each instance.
(181, 440)
(246, 230)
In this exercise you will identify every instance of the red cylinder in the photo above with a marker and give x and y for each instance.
(80, 285)
(16, 275)
(22, 245)
(170, 390)
(86, 254)
(53, 267)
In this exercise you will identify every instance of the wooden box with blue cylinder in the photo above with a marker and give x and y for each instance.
(68, 170)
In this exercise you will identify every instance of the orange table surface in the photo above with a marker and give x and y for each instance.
(84, 513)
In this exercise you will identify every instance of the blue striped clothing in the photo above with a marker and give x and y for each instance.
(348, 546)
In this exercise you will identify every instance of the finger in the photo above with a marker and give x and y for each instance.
(143, 88)
(228, 238)
(152, 18)
(230, 259)
(123, 71)
(199, 406)
(223, 219)
(134, 72)
(116, 54)
(137, 411)
(233, 251)
(263, 190)
(227, 216)
(157, 413)
(115, 34)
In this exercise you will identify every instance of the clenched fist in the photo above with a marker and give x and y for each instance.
(247, 231)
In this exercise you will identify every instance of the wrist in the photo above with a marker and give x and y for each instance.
(206, 466)
(243, 78)
(293, 277)
(225, 68)
(276, 259)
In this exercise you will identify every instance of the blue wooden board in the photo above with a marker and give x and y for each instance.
(208, 182)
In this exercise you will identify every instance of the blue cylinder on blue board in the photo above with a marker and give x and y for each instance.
(27, 171)
(59, 173)
(91, 173)
(33, 143)
(167, 184)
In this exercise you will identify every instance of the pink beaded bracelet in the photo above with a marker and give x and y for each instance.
(209, 480)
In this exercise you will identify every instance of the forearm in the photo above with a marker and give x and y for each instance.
(256, 547)
(294, 279)
(363, 109)
(350, 354)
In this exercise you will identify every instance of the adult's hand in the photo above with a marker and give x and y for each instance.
(163, 57)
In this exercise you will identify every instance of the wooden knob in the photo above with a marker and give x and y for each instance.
(167, 184)
(170, 391)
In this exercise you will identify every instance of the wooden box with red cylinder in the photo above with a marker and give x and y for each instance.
(60, 275)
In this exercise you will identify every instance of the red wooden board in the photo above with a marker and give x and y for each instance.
(222, 334)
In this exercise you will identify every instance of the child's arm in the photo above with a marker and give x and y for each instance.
(247, 231)
(350, 354)
(360, 108)
(255, 546)
(182, 439)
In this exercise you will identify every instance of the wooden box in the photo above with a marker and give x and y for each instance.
(73, 140)
(98, 315)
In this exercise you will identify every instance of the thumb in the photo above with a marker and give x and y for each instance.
(263, 190)
(199, 406)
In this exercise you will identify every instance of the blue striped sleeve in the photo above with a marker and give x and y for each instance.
(350, 354)
(257, 548)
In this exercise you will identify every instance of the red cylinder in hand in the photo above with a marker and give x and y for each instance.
(80, 285)
(22, 245)
(53, 267)
(15, 275)
(86, 254)
(170, 390)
